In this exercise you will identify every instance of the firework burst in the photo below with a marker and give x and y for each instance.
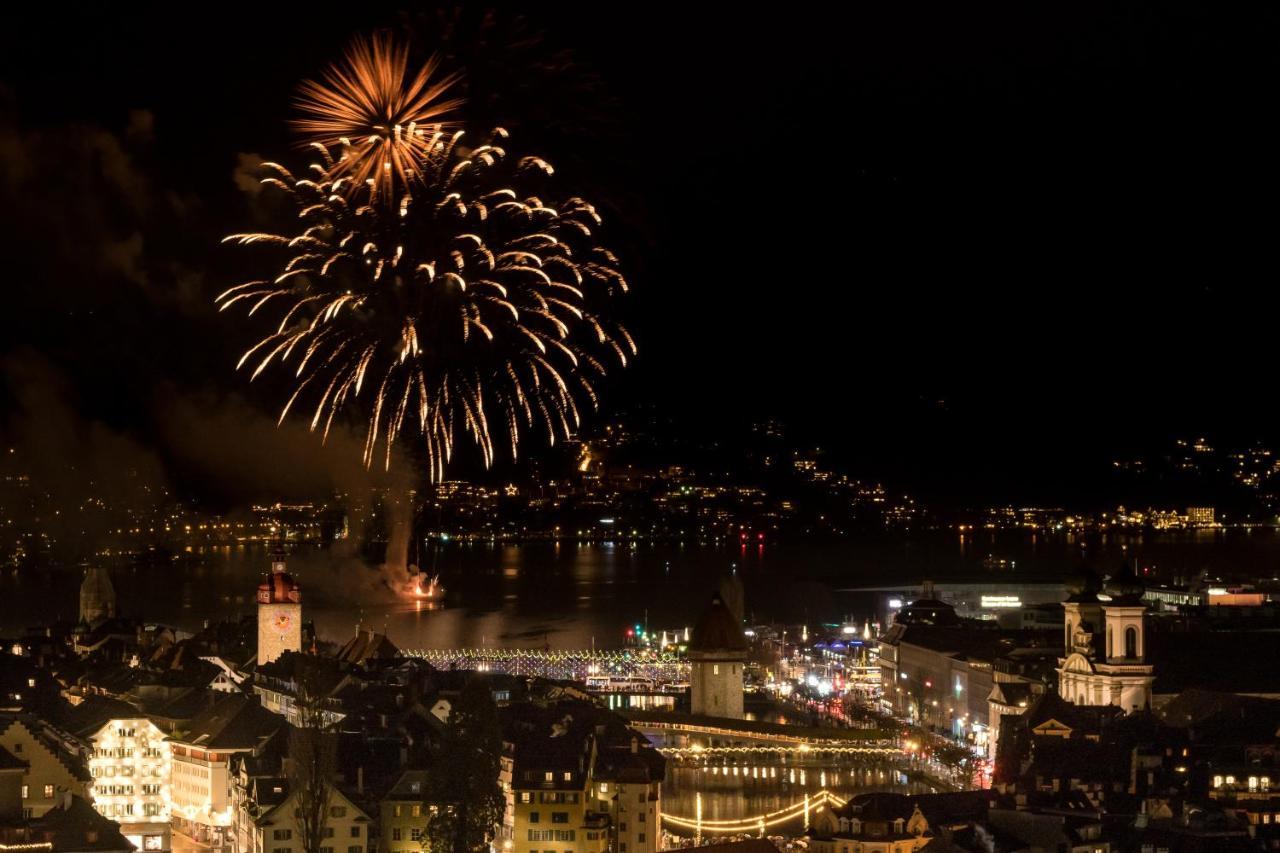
(475, 304)
(382, 123)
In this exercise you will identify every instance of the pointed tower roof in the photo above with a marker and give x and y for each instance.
(717, 630)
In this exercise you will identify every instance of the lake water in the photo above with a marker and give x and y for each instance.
(577, 595)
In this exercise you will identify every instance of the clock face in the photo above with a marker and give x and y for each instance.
(283, 621)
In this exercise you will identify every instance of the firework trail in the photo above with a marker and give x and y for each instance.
(470, 303)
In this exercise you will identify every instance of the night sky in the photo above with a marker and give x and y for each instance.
(978, 250)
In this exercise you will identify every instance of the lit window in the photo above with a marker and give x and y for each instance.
(604, 787)
(48, 792)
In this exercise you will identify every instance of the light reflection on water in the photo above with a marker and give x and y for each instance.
(575, 596)
(732, 792)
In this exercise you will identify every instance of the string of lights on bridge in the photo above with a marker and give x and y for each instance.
(757, 823)
(579, 664)
(699, 751)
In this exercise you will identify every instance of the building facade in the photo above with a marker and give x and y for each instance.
(131, 766)
(202, 806)
(54, 767)
(275, 830)
(627, 787)
(404, 814)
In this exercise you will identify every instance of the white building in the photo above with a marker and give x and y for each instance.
(202, 807)
(1105, 656)
(270, 825)
(131, 769)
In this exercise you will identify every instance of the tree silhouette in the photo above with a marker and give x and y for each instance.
(468, 798)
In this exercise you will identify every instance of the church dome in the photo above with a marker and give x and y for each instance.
(1125, 586)
(279, 587)
(717, 630)
(1084, 586)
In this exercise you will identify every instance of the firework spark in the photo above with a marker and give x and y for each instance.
(473, 305)
(382, 123)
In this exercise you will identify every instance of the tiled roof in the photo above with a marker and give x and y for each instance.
(233, 722)
(76, 826)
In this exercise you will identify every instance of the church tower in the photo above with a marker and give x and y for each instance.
(1105, 661)
(718, 652)
(97, 596)
(279, 612)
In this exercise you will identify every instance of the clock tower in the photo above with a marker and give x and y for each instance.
(279, 612)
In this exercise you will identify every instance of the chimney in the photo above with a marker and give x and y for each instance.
(360, 780)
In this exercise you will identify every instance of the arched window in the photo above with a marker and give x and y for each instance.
(1068, 640)
(1110, 645)
(1131, 642)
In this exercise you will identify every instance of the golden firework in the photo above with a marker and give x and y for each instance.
(381, 122)
(475, 303)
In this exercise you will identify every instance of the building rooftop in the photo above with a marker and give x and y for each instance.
(74, 826)
(234, 722)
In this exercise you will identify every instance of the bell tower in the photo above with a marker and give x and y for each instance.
(1105, 661)
(279, 612)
